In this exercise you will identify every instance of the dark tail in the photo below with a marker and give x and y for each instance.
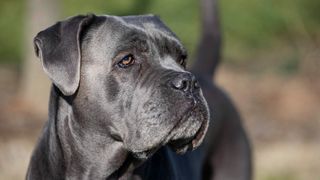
(209, 48)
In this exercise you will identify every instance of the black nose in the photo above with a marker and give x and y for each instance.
(185, 82)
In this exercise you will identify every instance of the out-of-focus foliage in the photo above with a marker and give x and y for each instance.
(252, 28)
(254, 25)
(11, 30)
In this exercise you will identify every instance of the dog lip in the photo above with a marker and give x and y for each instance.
(193, 99)
(198, 138)
(143, 155)
(181, 146)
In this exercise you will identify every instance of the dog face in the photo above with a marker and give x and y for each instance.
(132, 84)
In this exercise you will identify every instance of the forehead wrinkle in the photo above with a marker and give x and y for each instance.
(123, 27)
(128, 24)
(153, 29)
(132, 35)
(167, 45)
(133, 39)
(164, 33)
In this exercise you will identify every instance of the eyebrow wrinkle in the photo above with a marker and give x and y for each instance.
(169, 46)
(132, 41)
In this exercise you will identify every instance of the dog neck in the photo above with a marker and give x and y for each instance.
(66, 151)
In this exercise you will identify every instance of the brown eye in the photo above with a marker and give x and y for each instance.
(126, 61)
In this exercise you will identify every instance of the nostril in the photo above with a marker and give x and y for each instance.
(184, 85)
(196, 84)
(180, 84)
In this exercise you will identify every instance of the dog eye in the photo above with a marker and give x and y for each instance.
(126, 61)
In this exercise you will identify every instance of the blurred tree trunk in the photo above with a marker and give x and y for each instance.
(34, 84)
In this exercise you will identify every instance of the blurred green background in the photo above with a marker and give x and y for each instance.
(252, 29)
(270, 68)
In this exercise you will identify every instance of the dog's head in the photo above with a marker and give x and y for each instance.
(128, 81)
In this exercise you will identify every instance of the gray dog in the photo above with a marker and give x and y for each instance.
(122, 106)
(120, 93)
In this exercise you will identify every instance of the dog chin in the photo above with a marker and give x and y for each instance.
(181, 146)
(189, 134)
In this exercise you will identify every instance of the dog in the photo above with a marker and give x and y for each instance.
(124, 106)
(120, 92)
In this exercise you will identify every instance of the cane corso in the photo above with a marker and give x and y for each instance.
(124, 106)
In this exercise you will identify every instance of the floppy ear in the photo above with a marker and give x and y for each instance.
(59, 50)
